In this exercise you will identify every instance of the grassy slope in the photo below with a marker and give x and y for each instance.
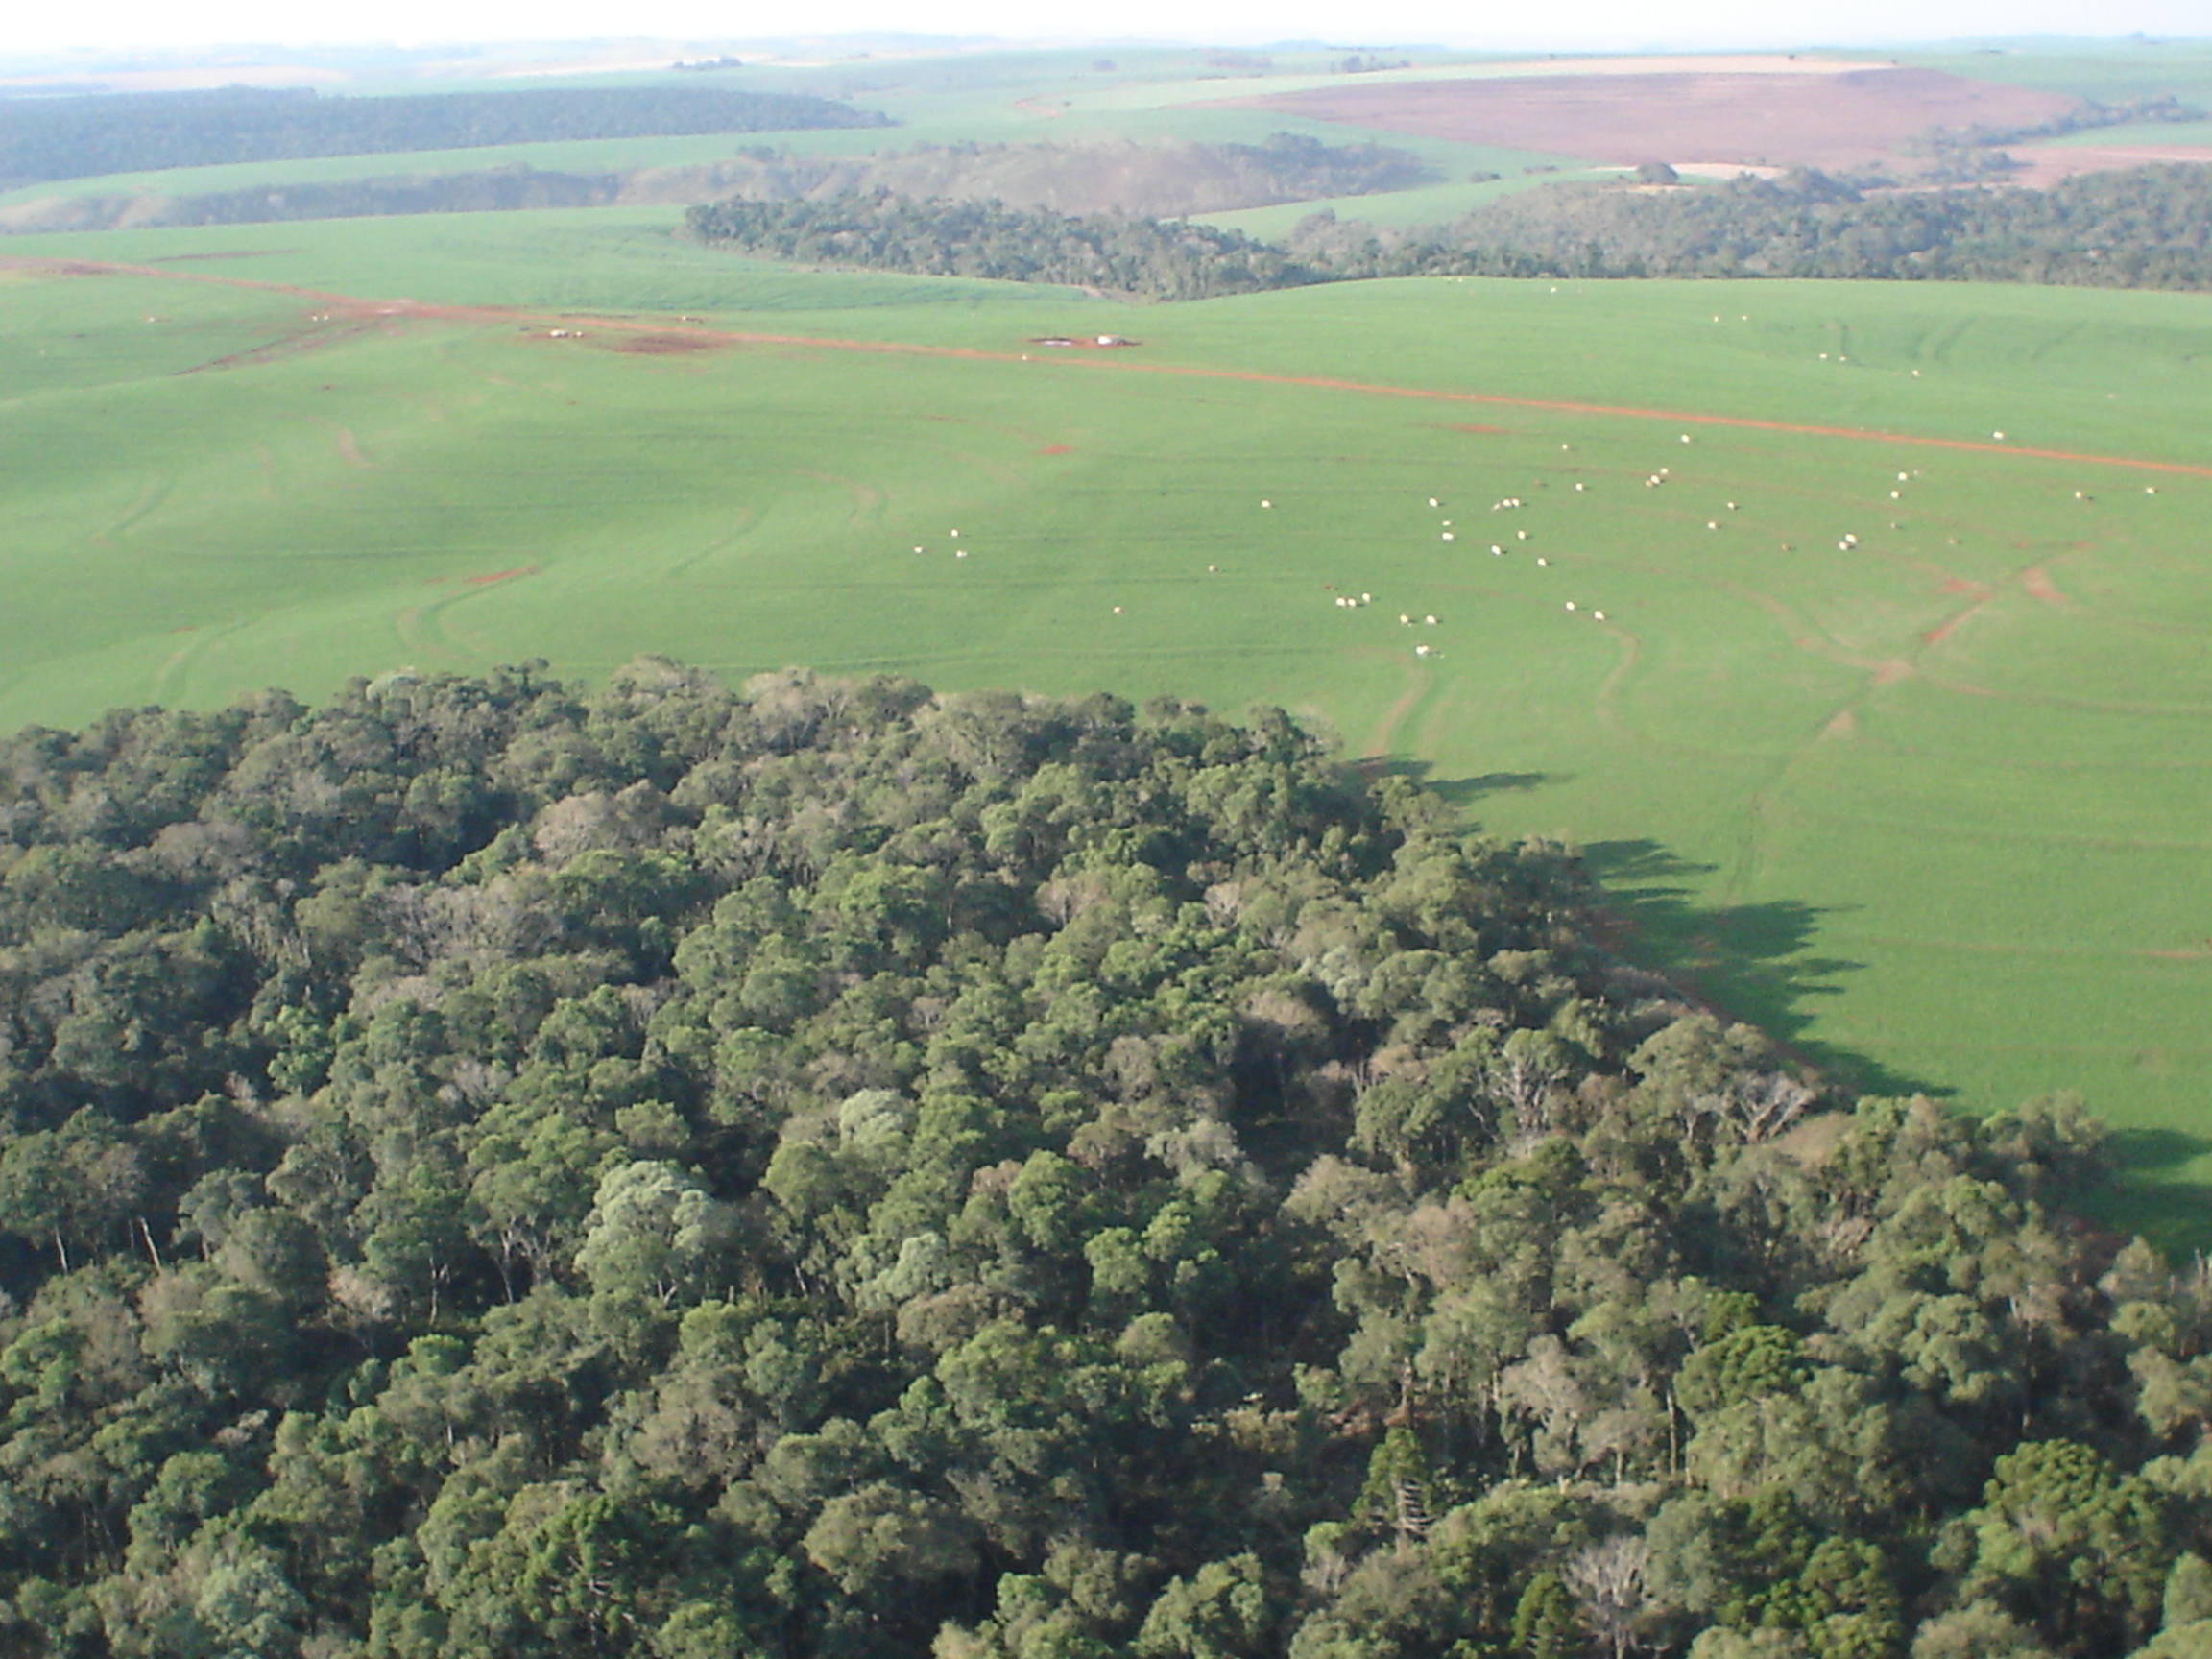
(2110, 71)
(1972, 863)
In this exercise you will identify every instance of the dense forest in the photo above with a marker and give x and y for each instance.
(83, 137)
(1978, 154)
(2142, 228)
(489, 190)
(877, 230)
(837, 1170)
(1156, 180)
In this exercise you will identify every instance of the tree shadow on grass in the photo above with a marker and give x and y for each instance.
(1750, 962)
(1459, 792)
(2151, 1197)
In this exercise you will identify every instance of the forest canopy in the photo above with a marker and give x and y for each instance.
(2137, 227)
(2143, 227)
(837, 1169)
(880, 231)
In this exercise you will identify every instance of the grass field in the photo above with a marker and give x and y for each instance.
(2110, 71)
(1930, 805)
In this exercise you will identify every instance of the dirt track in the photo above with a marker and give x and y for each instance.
(356, 310)
(1837, 122)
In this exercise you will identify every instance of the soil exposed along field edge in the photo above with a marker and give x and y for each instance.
(402, 310)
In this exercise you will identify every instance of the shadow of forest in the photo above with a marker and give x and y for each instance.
(1756, 963)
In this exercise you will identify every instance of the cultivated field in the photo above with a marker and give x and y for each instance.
(1901, 746)
(1853, 120)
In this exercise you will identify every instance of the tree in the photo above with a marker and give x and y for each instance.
(1220, 1612)
(882, 1542)
(2068, 1545)
(1545, 1625)
(1606, 1579)
(652, 1231)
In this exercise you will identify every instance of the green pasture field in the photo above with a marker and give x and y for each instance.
(2110, 71)
(1421, 207)
(1931, 807)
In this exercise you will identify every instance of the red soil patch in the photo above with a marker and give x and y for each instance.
(1057, 449)
(2038, 583)
(499, 576)
(1832, 121)
(1844, 725)
(2045, 164)
(1471, 427)
(223, 254)
(1960, 585)
(1890, 672)
(666, 344)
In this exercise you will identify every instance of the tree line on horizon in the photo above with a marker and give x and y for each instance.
(842, 1170)
(87, 136)
(1151, 180)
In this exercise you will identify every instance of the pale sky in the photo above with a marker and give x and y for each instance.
(1565, 25)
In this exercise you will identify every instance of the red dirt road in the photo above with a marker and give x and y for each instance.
(355, 309)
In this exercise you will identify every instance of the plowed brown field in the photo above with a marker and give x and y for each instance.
(1837, 122)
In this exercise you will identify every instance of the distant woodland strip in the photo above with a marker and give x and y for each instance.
(1160, 259)
(2143, 227)
(1156, 180)
(84, 137)
(1161, 180)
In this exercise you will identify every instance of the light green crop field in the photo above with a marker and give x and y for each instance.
(2110, 71)
(1902, 749)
